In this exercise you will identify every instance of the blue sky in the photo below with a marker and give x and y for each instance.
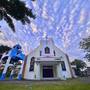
(66, 21)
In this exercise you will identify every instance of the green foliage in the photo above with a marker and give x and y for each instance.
(16, 9)
(85, 45)
(79, 64)
(4, 49)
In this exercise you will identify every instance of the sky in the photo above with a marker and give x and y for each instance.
(66, 21)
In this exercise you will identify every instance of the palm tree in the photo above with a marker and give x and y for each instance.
(15, 9)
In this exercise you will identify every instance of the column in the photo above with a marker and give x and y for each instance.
(59, 71)
(20, 72)
(11, 75)
(37, 71)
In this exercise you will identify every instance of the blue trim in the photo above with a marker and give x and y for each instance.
(3, 76)
(19, 76)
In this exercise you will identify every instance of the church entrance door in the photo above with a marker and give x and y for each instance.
(47, 71)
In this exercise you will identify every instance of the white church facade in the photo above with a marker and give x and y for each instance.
(47, 62)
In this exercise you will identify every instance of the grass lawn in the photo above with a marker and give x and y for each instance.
(52, 85)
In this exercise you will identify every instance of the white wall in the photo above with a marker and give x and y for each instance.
(59, 53)
(28, 74)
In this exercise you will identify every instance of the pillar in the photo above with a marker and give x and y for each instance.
(20, 72)
(59, 71)
(11, 75)
(37, 71)
(60, 74)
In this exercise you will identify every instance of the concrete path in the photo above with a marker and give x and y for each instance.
(81, 79)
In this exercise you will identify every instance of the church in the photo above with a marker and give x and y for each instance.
(47, 62)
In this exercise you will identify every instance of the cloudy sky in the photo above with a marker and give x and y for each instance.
(66, 21)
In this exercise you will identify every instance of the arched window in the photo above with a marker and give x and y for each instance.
(32, 64)
(47, 50)
(63, 66)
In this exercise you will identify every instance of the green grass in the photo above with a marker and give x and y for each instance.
(57, 85)
(61, 87)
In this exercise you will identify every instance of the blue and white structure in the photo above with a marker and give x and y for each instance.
(11, 60)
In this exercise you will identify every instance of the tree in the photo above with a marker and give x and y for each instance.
(79, 65)
(4, 49)
(85, 45)
(15, 9)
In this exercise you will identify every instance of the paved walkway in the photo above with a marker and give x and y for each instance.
(81, 79)
(31, 81)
